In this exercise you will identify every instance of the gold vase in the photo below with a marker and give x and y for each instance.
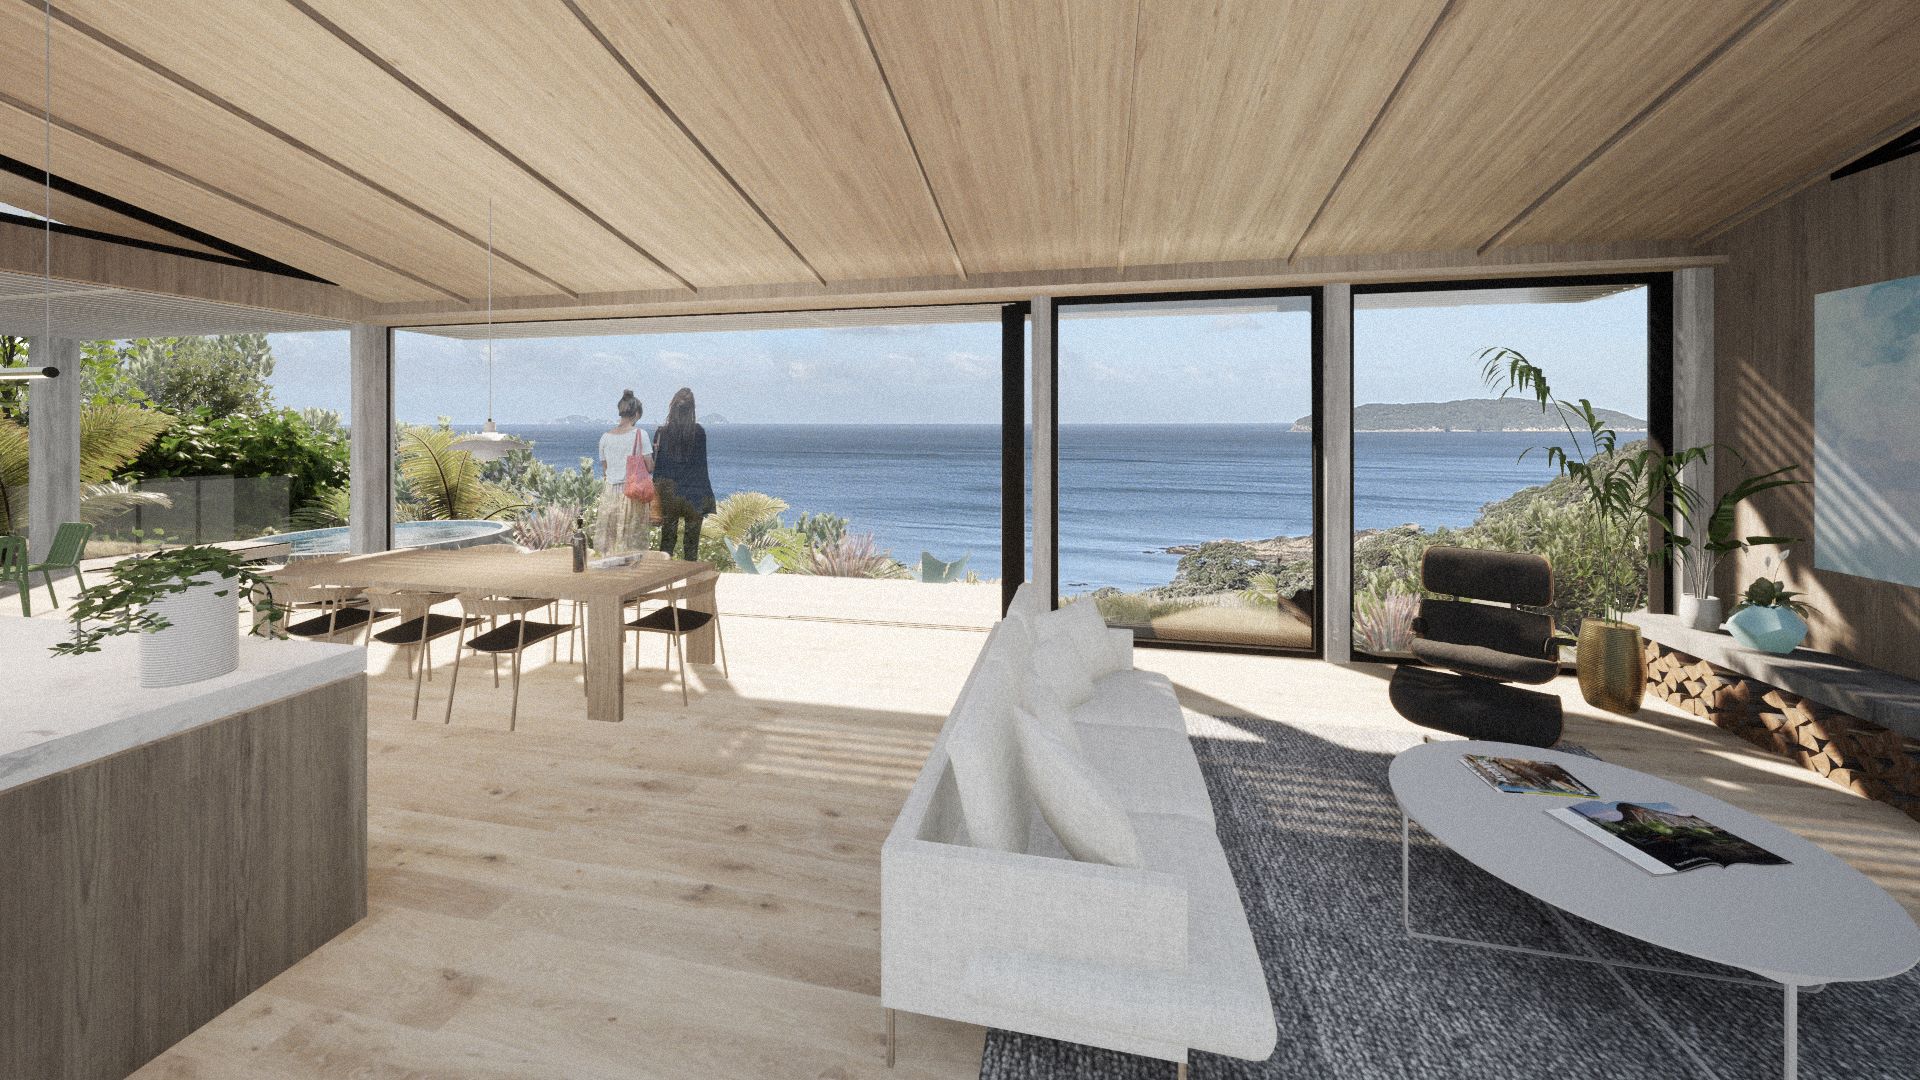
(1612, 665)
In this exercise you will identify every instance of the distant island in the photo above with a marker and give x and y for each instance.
(576, 418)
(714, 418)
(1472, 414)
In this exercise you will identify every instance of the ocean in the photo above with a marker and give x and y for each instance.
(1127, 491)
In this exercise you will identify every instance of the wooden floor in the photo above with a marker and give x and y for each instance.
(695, 892)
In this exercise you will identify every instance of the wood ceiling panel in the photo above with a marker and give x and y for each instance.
(22, 136)
(31, 196)
(1019, 109)
(534, 78)
(1245, 112)
(799, 116)
(101, 91)
(1508, 99)
(288, 70)
(1801, 91)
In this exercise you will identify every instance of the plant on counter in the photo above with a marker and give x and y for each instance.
(1768, 593)
(119, 605)
(1701, 545)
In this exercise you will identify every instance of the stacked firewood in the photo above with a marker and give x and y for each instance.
(1856, 754)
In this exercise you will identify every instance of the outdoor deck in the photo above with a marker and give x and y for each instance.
(695, 892)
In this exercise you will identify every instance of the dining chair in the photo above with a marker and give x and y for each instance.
(68, 548)
(13, 567)
(417, 630)
(512, 636)
(676, 621)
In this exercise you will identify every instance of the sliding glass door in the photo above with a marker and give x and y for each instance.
(1187, 467)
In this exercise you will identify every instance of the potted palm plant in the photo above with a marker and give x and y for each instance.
(1622, 489)
(1703, 542)
(185, 604)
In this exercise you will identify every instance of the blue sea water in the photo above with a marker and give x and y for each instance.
(1127, 491)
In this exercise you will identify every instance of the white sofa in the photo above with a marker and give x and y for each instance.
(1151, 959)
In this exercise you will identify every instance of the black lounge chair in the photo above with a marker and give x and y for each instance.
(1476, 650)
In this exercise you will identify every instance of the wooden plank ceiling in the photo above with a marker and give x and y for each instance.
(686, 147)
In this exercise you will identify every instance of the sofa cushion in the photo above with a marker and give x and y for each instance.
(1150, 770)
(1083, 627)
(1217, 1002)
(1058, 674)
(994, 800)
(1133, 699)
(1078, 803)
(1058, 719)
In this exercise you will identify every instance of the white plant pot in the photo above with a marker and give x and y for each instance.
(201, 640)
(1699, 612)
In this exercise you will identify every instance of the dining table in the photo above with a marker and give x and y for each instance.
(500, 570)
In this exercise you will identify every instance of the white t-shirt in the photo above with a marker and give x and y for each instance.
(614, 448)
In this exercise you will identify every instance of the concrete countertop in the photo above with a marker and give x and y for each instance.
(59, 712)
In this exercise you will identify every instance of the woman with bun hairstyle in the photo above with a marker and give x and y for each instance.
(621, 525)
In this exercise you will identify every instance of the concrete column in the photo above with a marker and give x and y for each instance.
(1693, 375)
(1046, 489)
(1334, 422)
(53, 442)
(370, 441)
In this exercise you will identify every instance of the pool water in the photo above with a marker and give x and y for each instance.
(406, 534)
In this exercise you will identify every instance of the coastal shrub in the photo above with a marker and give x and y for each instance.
(818, 529)
(245, 444)
(1214, 567)
(538, 484)
(1139, 609)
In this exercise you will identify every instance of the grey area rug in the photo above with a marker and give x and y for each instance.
(1313, 835)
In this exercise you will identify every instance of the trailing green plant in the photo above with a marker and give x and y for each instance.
(1766, 592)
(121, 604)
(444, 484)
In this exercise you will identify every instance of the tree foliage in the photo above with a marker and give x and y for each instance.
(247, 444)
(224, 374)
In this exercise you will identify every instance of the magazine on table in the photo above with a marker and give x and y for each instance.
(1659, 839)
(1518, 776)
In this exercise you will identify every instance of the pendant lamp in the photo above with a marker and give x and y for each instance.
(489, 444)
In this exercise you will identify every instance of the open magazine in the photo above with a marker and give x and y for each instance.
(1659, 839)
(1519, 776)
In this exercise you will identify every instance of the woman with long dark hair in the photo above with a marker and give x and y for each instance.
(680, 475)
(621, 524)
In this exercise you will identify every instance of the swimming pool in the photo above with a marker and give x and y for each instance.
(406, 534)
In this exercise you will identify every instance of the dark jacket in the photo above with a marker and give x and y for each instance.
(682, 473)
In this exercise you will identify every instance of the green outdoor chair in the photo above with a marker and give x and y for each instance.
(68, 548)
(13, 567)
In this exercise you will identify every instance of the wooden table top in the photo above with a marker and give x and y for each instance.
(495, 569)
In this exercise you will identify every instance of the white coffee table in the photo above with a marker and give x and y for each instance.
(1748, 917)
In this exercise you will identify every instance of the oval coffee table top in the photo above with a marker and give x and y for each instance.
(1814, 921)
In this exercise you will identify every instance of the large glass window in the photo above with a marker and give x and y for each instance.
(1438, 459)
(1187, 467)
(862, 446)
(210, 438)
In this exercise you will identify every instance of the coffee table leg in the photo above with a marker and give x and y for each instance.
(1792, 1024)
(1406, 873)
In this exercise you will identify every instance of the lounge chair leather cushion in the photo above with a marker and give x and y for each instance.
(1505, 629)
(1475, 708)
(1486, 663)
(1503, 577)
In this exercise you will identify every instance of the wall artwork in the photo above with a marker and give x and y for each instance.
(1866, 446)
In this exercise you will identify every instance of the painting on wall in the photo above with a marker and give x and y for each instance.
(1866, 445)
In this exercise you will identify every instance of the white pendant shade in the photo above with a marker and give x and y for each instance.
(488, 444)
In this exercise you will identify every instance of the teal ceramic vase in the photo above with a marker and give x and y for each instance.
(1770, 629)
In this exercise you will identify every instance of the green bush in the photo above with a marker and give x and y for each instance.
(279, 443)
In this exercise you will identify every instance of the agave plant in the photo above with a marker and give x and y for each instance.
(445, 483)
(1383, 625)
(545, 527)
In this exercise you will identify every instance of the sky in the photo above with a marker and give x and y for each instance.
(1235, 367)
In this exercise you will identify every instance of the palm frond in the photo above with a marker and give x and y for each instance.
(13, 477)
(740, 513)
(102, 502)
(447, 482)
(112, 435)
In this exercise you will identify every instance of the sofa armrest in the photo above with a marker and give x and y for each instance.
(1120, 640)
(956, 902)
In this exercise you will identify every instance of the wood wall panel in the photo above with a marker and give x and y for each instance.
(1835, 235)
(99, 90)
(1784, 103)
(349, 109)
(149, 891)
(803, 121)
(1509, 98)
(1020, 111)
(1245, 113)
(533, 77)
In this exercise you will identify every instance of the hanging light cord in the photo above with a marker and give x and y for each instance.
(47, 241)
(489, 312)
